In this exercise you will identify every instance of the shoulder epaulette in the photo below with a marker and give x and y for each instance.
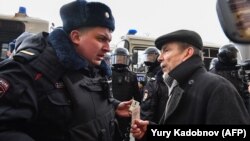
(152, 79)
(26, 55)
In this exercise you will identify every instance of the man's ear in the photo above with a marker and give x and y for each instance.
(75, 36)
(188, 53)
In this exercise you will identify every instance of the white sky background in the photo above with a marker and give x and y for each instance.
(149, 17)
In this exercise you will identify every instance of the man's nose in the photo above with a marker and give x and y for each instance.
(159, 59)
(106, 47)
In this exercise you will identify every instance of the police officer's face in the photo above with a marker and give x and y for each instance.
(121, 59)
(171, 56)
(151, 57)
(92, 43)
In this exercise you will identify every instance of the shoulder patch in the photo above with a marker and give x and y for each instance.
(4, 86)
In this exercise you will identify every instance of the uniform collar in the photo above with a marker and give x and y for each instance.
(65, 50)
(52, 69)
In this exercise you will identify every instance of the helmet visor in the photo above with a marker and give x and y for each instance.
(120, 60)
(151, 57)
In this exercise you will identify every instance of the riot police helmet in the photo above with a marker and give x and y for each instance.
(120, 57)
(228, 54)
(150, 56)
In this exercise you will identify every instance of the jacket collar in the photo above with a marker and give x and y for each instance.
(184, 71)
(181, 74)
(42, 62)
(65, 50)
(52, 69)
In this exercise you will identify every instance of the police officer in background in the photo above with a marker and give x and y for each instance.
(124, 85)
(155, 90)
(55, 87)
(225, 66)
(150, 60)
(14, 45)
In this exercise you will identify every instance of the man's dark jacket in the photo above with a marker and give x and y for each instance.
(203, 98)
(52, 94)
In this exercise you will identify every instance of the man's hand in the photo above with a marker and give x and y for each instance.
(249, 87)
(139, 128)
(123, 109)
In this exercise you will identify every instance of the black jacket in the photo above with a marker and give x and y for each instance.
(203, 98)
(231, 73)
(53, 95)
(125, 84)
(152, 72)
(125, 87)
(154, 99)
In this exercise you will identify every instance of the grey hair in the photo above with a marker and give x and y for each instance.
(197, 52)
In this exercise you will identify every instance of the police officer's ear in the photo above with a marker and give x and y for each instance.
(75, 35)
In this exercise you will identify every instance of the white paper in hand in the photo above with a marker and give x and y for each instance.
(135, 110)
(133, 105)
(135, 114)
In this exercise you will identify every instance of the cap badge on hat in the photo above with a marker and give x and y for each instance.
(106, 14)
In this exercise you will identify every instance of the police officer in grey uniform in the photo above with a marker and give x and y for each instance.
(55, 87)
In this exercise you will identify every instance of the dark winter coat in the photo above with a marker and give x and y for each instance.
(154, 99)
(125, 84)
(152, 72)
(231, 73)
(53, 95)
(203, 98)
